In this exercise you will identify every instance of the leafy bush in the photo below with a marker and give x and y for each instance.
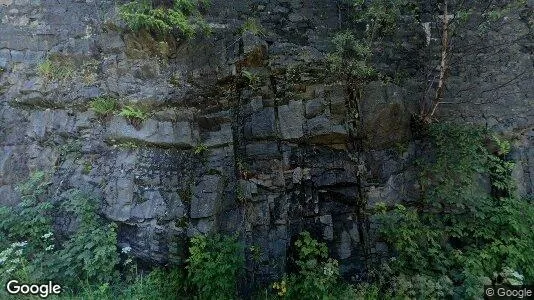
(103, 106)
(215, 263)
(31, 218)
(91, 253)
(318, 275)
(350, 57)
(184, 16)
(32, 253)
(458, 236)
(379, 16)
(84, 263)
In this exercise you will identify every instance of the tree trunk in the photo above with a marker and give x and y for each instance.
(444, 64)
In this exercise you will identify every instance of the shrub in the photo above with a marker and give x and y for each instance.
(318, 275)
(91, 253)
(215, 263)
(31, 252)
(380, 16)
(104, 106)
(31, 218)
(184, 16)
(458, 236)
(351, 57)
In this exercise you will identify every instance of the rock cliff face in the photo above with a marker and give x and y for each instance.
(266, 154)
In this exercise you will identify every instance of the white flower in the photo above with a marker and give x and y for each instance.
(51, 247)
(19, 244)
(7, 252)
(126, 249)
(47, 235)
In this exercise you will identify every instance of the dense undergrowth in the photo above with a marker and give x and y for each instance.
(467, 229)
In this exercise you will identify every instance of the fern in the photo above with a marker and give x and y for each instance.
(184, 16)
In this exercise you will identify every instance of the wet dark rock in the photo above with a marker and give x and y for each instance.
(265, 158)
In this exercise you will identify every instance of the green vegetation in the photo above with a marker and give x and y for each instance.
(453, 240)
(318, 275)
(240, 194)
(87, 167)
(104, 106)
(71, 148)
(458, 237)
(33, 253)
(466, 229)
(129, 145)
(134, 114)
(183, 16)
(200, 149)
(252, 78)
(350, 57)
(371, 36)
(449, 243)
(86, 263)
(252, 25)
(158, 284)
(215, 263)
(176, 79)
(185, 194)
(56, 68)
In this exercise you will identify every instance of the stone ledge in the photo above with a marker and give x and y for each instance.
(179, 134)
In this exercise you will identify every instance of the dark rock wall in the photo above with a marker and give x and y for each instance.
(278, 159)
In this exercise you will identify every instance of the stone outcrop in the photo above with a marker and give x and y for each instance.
(265, 156)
